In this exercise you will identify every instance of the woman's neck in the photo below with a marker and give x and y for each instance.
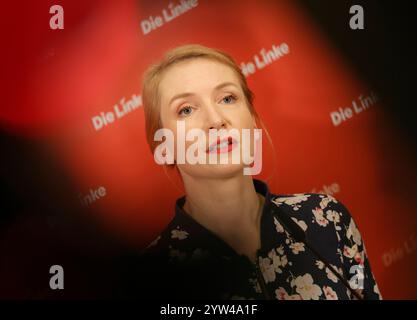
(229, 207)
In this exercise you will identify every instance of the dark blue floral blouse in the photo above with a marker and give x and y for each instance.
(189, 261)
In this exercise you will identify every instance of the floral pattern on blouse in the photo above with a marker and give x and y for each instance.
(189, 261)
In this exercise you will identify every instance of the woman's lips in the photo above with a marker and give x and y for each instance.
(222, 146)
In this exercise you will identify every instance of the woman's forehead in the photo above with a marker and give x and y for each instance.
(195, 76)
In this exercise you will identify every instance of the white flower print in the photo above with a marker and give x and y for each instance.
(376, 290)
(329, 293)
(280, 250)
(359, 257)
(284, 261)
(348, 293)
(278, 226)
(276, 261)
(331, 275)
(306, 288)
(350, 252)
(281, 294)
(296, 247)
(320, 219)
(333, 216)
(324, 202)
(301, 223)
(287, 266)
(340, 254)
(179, 234)
(319, 264)
(267, 269)
(273, 264)
(279, 260)
(326, 199)
(293, 201)
(353, 232)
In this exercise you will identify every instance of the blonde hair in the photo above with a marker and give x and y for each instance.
(153, 76)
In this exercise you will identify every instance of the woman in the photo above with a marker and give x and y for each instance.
(230, 237)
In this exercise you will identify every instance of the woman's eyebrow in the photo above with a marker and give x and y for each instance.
(187, 94)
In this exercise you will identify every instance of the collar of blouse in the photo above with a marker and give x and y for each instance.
(203, 237)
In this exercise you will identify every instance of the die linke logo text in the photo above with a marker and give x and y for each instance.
(92, 196)
(168, 14)
(120, 110)
(361, 104)
(264, 58)
(408, 247)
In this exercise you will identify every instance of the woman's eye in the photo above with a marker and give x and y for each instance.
(185, 111)
(230, 98)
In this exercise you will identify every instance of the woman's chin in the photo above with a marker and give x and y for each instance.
(214, 170)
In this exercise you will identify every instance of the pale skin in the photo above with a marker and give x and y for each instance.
(218, 196)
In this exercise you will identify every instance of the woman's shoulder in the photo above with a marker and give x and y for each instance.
(323, 217)
(321, 208)
(306, 209)
(173, 242)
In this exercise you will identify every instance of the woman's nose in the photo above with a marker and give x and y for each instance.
(219, 124)
(215, 119)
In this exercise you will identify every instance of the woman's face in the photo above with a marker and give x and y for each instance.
(205, 95)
